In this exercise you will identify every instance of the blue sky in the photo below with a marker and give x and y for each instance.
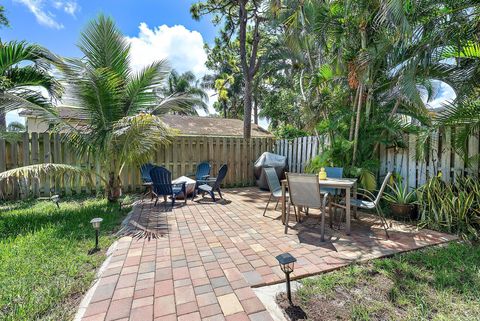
(156, 29)
(56, 24)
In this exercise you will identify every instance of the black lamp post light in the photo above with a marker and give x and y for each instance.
(56, 200)
(287, 264)
(96, 225)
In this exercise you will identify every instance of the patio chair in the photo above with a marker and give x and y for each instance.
(203, 171)
(202, 175)
(215, 184)
(304, 191)
(162, 185)
(332, 172)
(145, 172)
(274, 186)
(146, 179)
(371, 202)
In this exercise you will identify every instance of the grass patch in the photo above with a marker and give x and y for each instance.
(44, 266)
(440, 283)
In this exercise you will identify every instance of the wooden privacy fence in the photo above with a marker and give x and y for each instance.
(180, 157)
(440, 156)
(299, 151)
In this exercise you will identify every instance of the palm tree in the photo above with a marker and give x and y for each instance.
(24, 68)
(120, 105)
(188, 84)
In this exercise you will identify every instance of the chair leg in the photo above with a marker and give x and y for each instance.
(322, 227)
(383, 219)
(295, 211)
(330, 213)
(212, 194)
(276, 205)
(287, 218)
(156, 200)
(265, 210)
(220, 193)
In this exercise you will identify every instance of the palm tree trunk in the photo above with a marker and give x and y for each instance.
(352, 119)
(357, 125)
(114, 188)
(363, 38)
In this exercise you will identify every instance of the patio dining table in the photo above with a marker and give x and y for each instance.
(347, 184)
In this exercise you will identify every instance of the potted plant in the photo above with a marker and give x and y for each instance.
(402, 201)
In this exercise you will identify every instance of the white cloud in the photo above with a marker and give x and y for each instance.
(183, 49)
(41, 9)
(70, 7)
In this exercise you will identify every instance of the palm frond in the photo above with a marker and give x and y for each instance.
(176, 102)
(104, 46)
(15, 52)
(48, 168)
(140, 94)
(31, 100)
(30, 76)
(136, 137)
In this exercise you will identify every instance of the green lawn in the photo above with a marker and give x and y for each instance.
(441, 283)
(44, 266)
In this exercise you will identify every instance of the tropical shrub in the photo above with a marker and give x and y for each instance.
(288, 132)
(452, 207)
(400, 194)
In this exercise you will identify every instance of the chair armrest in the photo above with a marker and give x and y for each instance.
(368, 197)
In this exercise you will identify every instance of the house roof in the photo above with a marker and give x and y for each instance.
(211, 126)
(186, 125)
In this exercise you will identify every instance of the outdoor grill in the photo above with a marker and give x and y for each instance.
(267, 159)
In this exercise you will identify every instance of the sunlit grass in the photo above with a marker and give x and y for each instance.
(441, 283)
(44, 265)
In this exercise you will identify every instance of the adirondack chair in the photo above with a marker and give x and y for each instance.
(203, 171)
(146, 179)
(162, 185)
(215, 184)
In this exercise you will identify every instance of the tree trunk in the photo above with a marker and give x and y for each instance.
(363, 37)
(250, 64)
(114, 188)
(224, 104)
(352, 119)
(255, 110)
(247, 110)
(357, 125)
(3, 121)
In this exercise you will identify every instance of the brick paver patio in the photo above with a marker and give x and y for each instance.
(212, 254)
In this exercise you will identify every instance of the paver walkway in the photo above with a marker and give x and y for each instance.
(212, 254)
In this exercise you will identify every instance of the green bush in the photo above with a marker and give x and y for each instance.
(289, 132)
(451, 207)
